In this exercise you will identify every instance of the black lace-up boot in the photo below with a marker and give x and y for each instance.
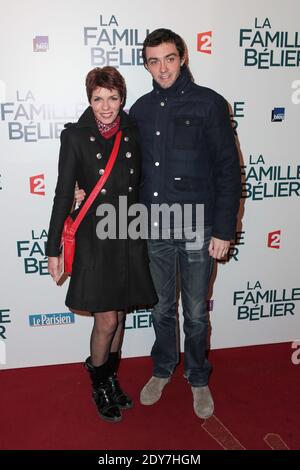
(120, 398)
(103, 393)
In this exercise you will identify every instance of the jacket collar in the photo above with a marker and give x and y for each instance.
(183, 80)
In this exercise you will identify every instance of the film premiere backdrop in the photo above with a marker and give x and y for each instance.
(247, 51)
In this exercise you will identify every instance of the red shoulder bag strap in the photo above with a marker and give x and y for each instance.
(99, 185)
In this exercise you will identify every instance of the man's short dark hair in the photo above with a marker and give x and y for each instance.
(161, 35)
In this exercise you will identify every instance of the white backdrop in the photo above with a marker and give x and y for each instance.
(247, 51)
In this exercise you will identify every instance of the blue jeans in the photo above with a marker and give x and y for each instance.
(195, 267)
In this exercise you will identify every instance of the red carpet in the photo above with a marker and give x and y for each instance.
(256, 393)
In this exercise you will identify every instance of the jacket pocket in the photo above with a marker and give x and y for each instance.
(188, 189)
(187, 132)
(188, 183)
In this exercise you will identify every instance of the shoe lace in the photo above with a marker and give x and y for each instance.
(117, 390)
(105, 391)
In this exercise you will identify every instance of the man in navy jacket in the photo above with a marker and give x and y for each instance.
(189, 157)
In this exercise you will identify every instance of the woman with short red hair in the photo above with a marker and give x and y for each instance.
(110, 276)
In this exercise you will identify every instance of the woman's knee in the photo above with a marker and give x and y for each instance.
(106, 322)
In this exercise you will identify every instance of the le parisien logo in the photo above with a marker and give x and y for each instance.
(204, 43)
(37, 184)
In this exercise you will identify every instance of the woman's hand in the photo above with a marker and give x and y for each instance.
(55, 267)
(79, 195)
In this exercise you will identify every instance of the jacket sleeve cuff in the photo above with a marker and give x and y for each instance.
(52, 250)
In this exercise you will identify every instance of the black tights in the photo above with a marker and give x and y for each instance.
(107, 335)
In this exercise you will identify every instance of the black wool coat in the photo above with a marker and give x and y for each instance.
(108, 274)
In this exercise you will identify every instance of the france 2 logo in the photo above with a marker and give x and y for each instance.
(37, 184)
(274, 239)
(204, 42)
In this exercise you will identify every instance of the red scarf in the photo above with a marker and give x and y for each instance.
(108, 130)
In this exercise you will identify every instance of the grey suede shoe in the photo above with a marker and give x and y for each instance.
(203, 402)
(152, 391)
